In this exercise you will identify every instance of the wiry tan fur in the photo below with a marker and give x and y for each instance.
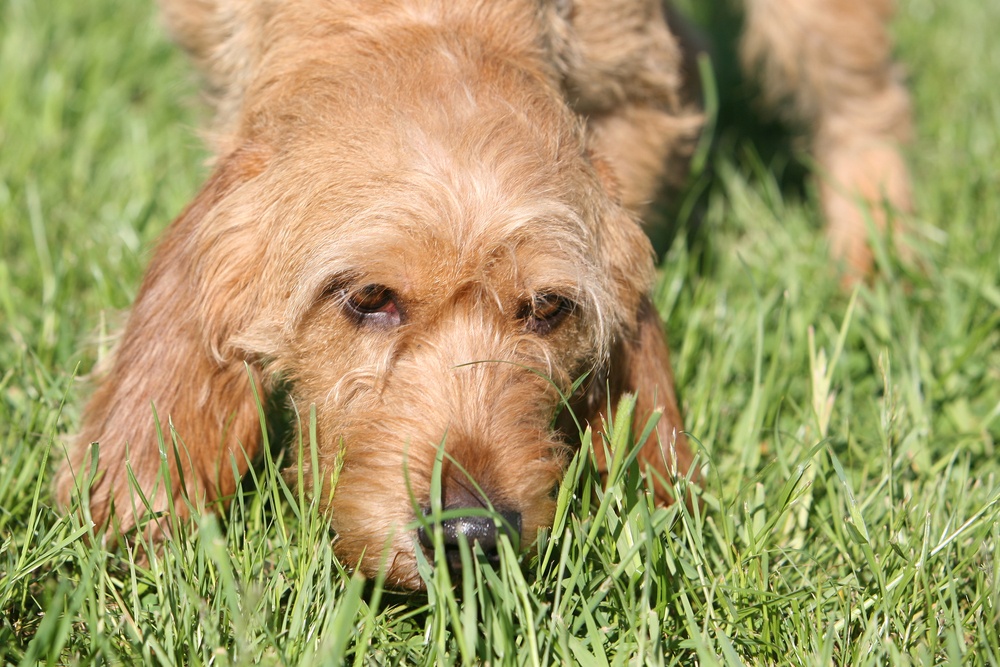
(469, 156)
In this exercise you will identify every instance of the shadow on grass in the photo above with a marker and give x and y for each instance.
(744, 134)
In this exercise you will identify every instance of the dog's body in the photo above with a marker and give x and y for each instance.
(423, 219)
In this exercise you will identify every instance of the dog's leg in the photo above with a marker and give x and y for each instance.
(223, 38)
(167, 359)
(647, 149)
(627, 73)
(829, 62)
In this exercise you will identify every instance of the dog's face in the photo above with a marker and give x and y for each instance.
(425, 277)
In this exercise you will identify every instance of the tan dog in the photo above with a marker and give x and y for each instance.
(423, 219)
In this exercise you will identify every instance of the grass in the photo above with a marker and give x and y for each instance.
(851, 512)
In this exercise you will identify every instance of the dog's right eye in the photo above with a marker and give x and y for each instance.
(545, 312)
(373, 304)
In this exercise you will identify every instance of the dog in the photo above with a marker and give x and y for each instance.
(424, 219)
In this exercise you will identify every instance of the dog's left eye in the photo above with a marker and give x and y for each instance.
(374, 304)
(545, 312)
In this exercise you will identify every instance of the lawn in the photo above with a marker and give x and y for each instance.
(850, 512)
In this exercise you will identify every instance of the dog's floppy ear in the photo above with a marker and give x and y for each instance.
(640, 365)
(638, 361)
(169, 358)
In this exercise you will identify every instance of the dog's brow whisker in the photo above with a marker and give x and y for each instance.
(335, 287)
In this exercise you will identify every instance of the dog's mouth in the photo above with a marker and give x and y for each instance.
(482, 529)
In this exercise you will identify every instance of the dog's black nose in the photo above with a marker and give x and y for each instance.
(473, 529)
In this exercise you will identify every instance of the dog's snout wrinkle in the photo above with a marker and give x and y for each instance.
(460, 493)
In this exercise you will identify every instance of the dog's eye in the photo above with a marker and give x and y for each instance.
(373, 304)
(545, 312)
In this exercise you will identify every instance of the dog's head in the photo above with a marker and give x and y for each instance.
(434, 277)
(430, 261)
